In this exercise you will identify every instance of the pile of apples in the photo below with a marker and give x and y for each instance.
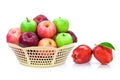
(40, 31)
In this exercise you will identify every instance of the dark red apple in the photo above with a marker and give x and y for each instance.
(82, 54)
(40, 18)
(73, 35)
(28, 39)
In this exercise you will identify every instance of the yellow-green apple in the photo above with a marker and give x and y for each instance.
(13, 35)
(46, 29)
(63, 39)
(28, 39)
(28, 25)
(39, 18)
(47, 42)
(73, 35)
(62, 24)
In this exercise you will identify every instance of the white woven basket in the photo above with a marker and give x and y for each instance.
(41, 56)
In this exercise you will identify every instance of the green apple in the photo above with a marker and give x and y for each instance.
(28, 25)
(63, 39)
(62, 24)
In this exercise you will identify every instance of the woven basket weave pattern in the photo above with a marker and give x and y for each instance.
(41, 56)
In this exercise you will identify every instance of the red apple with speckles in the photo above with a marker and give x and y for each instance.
(82, 54)
(103, 52)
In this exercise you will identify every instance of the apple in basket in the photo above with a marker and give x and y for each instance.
(62, 24)
(73, 35)
(28, 25)
(63, 39)
(13, 35)
(28, 39)
(40, 18)
(46, 29)
(47, 42)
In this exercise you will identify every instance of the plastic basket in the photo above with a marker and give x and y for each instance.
(41, 56)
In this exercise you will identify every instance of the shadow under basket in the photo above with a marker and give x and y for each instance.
(41, 56)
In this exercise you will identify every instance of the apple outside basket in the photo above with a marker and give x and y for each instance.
(41, 56)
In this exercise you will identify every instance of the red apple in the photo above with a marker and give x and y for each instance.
(47, 42)
(28, 39)
(13, 35)
(103, 52)
(40, 18)
(82, 54)
(46, 29)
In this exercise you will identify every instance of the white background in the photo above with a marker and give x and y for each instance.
(93, 21)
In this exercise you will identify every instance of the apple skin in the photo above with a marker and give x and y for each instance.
(47, 42)
(28, 39)
(73, 35)
(39, 18)
(63, 39)
(102, 54)
(62, 24)
(46, 29)
(28, 25)
(13, 35)
(82, 54)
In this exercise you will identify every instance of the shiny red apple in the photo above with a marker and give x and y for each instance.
(13, 35)
(82, 54)
(40, 18)
(47, 42)
(28, 39)
(46, 29)
(103, 52)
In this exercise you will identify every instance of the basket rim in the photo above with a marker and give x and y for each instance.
(38, 47)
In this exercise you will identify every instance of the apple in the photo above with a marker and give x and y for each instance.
(47, 42)
(46, 29)
(73, 35)
(40, 18)
(28, 39)
(28, 25)
(63, 39)
(82, 54)
(103, 52)
(13, 35)
(62, 24)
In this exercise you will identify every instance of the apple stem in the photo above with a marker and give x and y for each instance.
(27, 19)
(63, 34)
